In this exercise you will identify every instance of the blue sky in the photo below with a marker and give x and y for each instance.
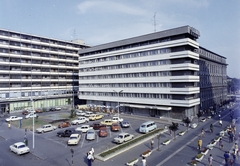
(101, 21)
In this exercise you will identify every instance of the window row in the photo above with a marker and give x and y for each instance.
(126, 66)
(127, 75)
(127, 85)
(134, 95)
(126, 56)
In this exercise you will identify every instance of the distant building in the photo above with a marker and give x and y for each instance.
(155, 74)
(39, 68)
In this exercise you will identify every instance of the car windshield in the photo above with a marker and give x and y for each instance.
(120, 136)
(103, 131)
(21, 146)
(90, 132)
(73, 137)
(143, 126)
(115, 124)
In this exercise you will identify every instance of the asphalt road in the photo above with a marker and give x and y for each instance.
(52, 150)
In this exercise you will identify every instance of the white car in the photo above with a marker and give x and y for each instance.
(123, 137)
(46, 128)
(80, 120)
(12, 118)
(88, 113)
(83, 128)
(80, 113)
(74, 139)
(117, 119)
(31, 115)
(19, 148)
(90, 134)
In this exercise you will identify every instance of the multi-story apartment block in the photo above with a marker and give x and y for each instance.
(213, 80)
(154, 74)
(38, 68)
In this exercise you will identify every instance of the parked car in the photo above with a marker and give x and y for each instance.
(88, 113)
(115, 127)
(55, 109)
(66, 133)
(25, 112)
(31, 115)
(80, 120)
(74, 139)
(95, 117)
(19, 148)
(107, 122)
(80, 113)
(83, 128)
(64, 124)
(125, 124)
(46, 128)
(38, 110)
(117, 119)
(123, 137)
(97, 126)
(103, 132)
(90, 134)
(13, 118)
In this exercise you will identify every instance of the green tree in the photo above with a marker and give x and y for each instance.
(174, 128)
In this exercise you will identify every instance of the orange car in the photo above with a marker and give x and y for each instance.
(115, 127)
(64, 124)
(103, 132)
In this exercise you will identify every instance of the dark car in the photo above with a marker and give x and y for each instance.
(67, 132)
(97, 126)
(25, 112)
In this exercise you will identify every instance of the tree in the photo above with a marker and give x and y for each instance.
(174, 128)
(187, 122)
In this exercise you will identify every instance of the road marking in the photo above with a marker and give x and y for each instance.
(82, 142)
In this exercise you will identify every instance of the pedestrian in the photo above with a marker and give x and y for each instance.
(234, 129)
(202, 133)
(144, 161)
(90, 158)
(9, 125)
(234, 157)
(92, 150)
(200, 144)
(220, 122)
(170, 132)
(152, 143)
(226, 157)
(221, 144)
(235, 148)
(210, 160)
(211, 128)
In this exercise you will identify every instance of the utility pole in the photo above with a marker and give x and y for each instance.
(154, 21)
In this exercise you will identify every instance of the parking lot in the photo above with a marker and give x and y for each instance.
(100, 143)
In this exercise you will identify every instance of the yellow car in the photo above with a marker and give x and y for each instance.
(95, 117)
(107, 122)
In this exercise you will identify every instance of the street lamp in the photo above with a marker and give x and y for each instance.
(118, 99)
(33, 119)
(73, 99)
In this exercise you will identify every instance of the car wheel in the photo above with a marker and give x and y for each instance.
(59, 135)
(43, 131)
(78, 123)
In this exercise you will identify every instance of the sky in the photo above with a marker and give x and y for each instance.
(102, 21)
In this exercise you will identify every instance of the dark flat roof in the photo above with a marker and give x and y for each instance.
(143, 38)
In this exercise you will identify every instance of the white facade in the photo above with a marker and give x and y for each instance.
(36, 67)
(157, 77)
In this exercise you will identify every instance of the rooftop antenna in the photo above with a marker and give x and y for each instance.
(154, 21)
(74, 34)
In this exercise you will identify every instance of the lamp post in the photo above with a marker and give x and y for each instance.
(73, 99)
(33, 120)
(118, 99)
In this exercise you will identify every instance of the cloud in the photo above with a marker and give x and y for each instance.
(109, 6)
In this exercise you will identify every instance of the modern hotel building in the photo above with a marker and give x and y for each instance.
(38, 68)
(159, 74)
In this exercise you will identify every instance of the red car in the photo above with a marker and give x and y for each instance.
(103, 132)
(64, 124)
(25, 112)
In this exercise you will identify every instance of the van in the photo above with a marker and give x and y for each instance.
(147, 126)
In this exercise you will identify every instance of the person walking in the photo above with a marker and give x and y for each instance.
(234, 155)
(211, 128)
(202, 133)
(220, 122)
(226, 157)
(200, 144)
(152, 143)
(235, 148)
(90, 158)
(144, 161)
(220, 143)
(210, 160)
